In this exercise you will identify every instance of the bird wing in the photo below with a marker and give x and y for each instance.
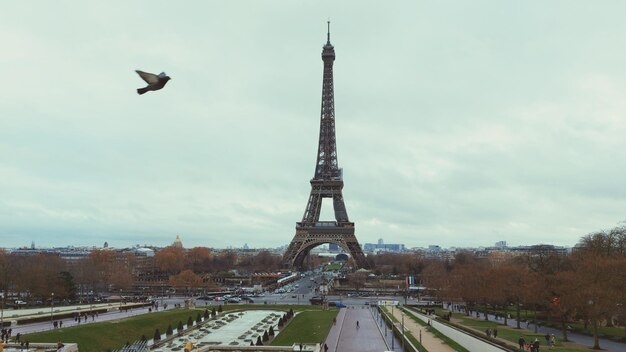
(150, 78)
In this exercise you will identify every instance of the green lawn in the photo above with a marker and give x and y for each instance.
(511, 334)
(578, 327)
(333, 266)
(114, 334)
(310, 326)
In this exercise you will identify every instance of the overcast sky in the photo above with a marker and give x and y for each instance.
(459, 123)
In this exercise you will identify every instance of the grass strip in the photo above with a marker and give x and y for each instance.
(448, 341)
(307, 327)
(407, 334)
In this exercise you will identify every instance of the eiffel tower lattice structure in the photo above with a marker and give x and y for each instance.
(326, 183)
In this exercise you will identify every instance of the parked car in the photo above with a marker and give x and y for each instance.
(232, 300)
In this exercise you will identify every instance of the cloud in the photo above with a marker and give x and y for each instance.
(456, 125)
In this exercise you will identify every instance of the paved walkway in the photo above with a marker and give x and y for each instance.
(346, 337)
(429, 341)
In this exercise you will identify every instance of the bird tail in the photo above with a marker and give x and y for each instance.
(142, 90)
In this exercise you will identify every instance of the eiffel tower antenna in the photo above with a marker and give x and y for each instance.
(327, 183)
(328, 34)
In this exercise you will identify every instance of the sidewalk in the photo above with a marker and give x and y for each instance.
(346, 337)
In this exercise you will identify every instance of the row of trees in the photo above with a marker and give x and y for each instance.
(586, 286)
(38, 276)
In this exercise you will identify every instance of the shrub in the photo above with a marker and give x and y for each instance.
(258, 341)
(206, 314)
(157, 335)
(180, 326)
(271, 332)
(169, 331)
(189, 322)
(198, 318)
(219, 308)
(265, 336)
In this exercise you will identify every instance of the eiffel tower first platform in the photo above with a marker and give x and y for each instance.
(327, 183)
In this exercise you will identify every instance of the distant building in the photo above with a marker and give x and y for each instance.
(500, 244)
(434, 248)
(378, 247)
(245, 247)
(333, 247)
(380, 242)
(177, 242)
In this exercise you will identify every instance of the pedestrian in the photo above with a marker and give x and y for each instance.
(521, 342)
(334, 321)
(495, 332)
(552, 341)
(325, 348)
(488, 332)
(61, 323)
(27, 344)
(547, 337)
(535, 345)
(357, 325)
(300, 346)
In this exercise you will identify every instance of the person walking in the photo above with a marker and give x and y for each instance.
(552, 341)
(325, 348)
(521, 342)
(357, 325)
(495, 332)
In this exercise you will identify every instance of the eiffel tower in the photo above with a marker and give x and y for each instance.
(327, 183)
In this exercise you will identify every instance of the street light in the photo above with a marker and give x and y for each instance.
(51, 305)
(2, 311)
(402, 330)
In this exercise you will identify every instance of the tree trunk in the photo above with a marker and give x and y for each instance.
(517, 309)
(564, 329)
(596, 341)
(486, 313)
(535, 319)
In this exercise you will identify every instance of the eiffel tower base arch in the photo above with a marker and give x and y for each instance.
(307, 238)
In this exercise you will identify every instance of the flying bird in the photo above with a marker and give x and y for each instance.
(154, 82)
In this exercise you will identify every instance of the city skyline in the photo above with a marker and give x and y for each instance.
(476, 122)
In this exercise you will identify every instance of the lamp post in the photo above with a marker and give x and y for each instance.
(402, 330)
(2, 310)
(51, 305)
